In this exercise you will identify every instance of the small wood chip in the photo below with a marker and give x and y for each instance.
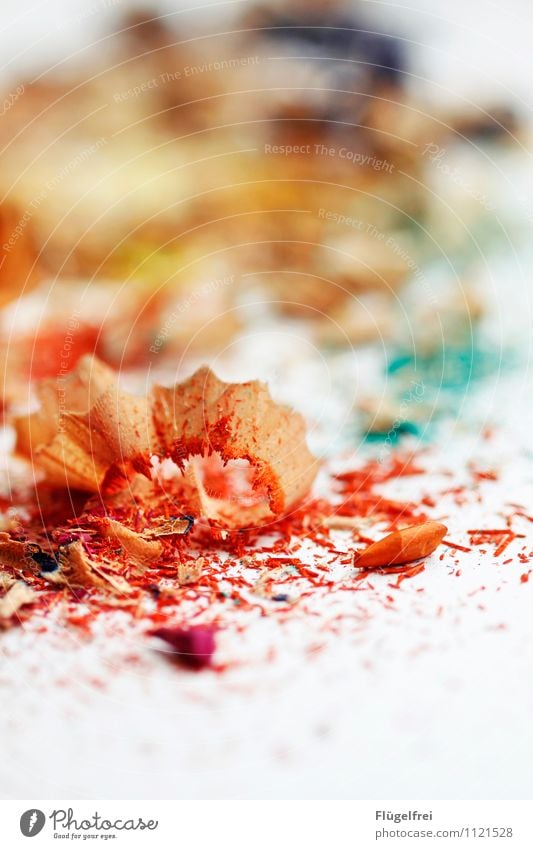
(140, 550)
(77, 570)
(6, 581)
(17, 596)
(190, 572)
(12, 553)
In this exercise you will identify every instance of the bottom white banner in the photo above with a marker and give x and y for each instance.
(258, 824)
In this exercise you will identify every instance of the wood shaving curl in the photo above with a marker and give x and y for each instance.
(95, 446)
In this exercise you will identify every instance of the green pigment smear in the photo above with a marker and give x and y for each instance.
(453, 368)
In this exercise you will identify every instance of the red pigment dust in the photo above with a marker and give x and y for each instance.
(257, 572)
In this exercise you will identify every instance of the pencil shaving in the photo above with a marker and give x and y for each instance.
(190, 572)
(409, 544)
(13, 553)
(140, 551)
(19, 266)
(77, 570)
(98, 449)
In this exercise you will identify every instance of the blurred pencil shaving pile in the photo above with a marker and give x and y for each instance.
(183, 169)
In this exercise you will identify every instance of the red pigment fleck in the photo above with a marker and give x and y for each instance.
(455, 545)
(193, 647)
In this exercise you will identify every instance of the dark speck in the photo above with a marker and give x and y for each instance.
(46, 562)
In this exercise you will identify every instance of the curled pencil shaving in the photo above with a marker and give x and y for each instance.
(97, 449)
(79, 390)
